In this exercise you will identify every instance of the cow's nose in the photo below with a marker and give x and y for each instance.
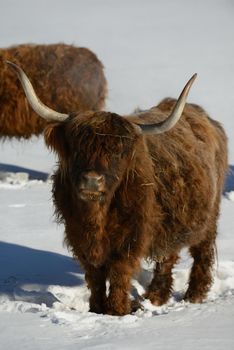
(92, 181)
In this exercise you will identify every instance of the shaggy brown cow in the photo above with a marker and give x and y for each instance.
(68, 78)
(127, 189)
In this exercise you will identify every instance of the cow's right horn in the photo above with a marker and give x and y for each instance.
(169, 122)
(39, 107)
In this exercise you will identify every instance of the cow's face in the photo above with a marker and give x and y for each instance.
(95, 151)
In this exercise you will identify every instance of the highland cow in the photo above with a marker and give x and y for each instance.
(66, 77)
(144, 185)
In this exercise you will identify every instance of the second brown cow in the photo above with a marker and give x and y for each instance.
(66, 77)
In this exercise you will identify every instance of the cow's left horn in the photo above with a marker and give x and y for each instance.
(173, 118)
(39, 107)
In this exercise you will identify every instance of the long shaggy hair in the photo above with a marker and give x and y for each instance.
(160, 193)
(66, 78)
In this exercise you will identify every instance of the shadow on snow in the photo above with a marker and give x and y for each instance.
(229, 183)
(26, 273)
(33, 174)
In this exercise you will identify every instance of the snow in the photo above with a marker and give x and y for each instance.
(43, 293)
(149, 50)
(230, 195)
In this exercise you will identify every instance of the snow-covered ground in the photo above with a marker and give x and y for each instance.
(149, 49)
(44, 299)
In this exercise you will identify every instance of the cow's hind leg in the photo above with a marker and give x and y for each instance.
(160, 288)
(201, 274)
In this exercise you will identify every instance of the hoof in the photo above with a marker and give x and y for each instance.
(193, 298)
(155, 298)
(136, 305)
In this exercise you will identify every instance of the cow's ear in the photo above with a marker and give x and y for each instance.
(55, 138)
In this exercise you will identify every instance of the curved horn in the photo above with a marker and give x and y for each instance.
(39, 107)
(173, 118)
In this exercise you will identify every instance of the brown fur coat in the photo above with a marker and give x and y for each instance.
(162, 193)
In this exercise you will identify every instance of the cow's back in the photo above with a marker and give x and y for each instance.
(190, 164)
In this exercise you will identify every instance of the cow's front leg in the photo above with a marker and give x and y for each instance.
(120, 274)
(96, 280)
